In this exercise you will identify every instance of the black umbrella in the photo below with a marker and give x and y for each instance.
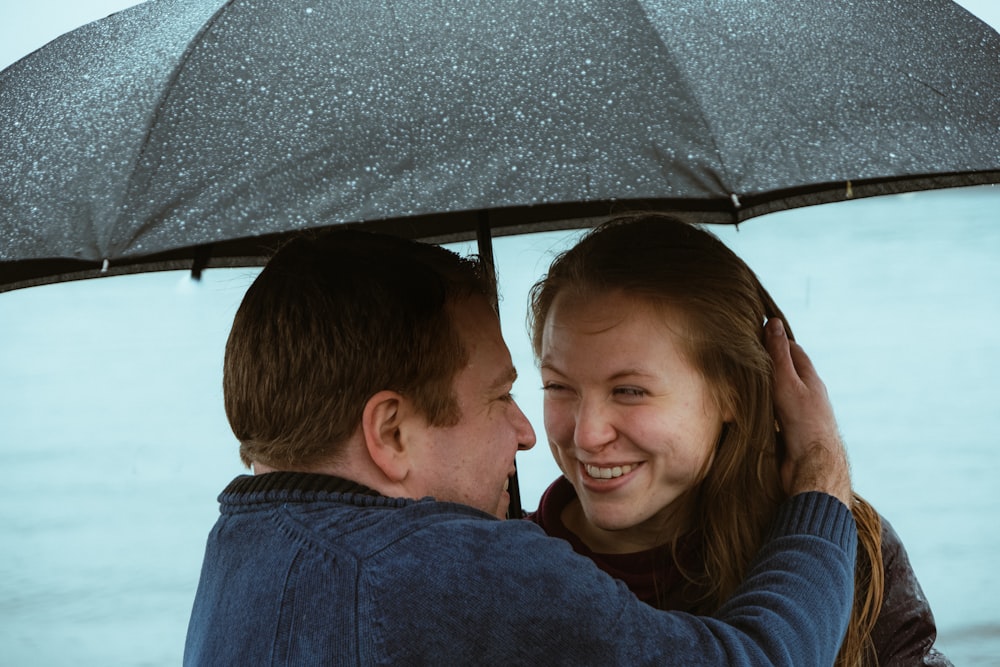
(193, 133)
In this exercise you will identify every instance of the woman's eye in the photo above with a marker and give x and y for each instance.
(630, 392)
(552, 386)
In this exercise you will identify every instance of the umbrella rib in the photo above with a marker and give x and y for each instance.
(725, 178)
(986, 118)
(151, 123)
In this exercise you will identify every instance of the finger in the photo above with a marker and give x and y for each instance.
(803, 364)
(778, 346)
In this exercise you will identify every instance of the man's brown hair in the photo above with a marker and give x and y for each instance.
(332, 320)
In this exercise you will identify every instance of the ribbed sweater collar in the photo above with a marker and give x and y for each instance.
(301, 487)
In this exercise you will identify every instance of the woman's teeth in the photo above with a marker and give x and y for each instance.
(608, 473)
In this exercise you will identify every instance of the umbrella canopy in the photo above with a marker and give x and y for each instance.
(192, 133)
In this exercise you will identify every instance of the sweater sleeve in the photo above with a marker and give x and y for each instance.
(795, 602)
(792, 608)
(905, 630)
(544, 604)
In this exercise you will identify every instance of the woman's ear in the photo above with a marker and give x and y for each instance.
(381, 420)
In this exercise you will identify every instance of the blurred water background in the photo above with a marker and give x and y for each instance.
(116, 445)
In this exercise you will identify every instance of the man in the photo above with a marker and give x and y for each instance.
(369, 386)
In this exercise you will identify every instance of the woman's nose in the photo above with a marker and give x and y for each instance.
(594, 429)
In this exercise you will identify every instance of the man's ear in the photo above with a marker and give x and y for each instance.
(381, 423)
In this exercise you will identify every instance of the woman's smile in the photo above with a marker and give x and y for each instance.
(606, 478)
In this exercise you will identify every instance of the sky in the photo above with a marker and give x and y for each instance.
(25, 26)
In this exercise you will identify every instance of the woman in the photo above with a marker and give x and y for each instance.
(659, 412)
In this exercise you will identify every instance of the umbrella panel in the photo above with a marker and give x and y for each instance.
(189, 134)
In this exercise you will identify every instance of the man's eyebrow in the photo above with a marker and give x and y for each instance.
(507, 378)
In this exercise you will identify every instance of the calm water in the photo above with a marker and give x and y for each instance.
(112, 427)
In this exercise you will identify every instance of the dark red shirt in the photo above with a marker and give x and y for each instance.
(653, 574)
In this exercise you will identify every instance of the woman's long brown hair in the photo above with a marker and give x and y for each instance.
(684, 269)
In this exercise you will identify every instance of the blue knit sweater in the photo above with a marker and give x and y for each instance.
(309, 569)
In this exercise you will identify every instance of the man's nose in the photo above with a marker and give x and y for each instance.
(525, 433)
